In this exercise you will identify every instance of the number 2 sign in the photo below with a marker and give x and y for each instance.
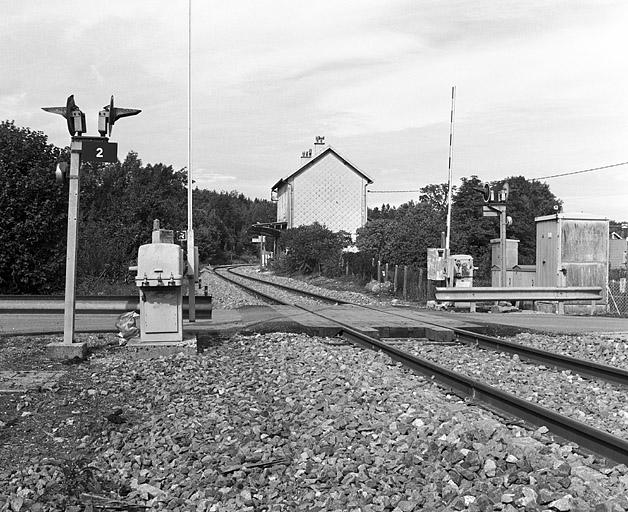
(99, 150)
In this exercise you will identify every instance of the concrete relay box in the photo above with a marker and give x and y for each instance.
(159, 279)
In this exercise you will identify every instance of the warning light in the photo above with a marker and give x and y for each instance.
(61, 172)
(73, 115)
(110, 114)
(487, 193)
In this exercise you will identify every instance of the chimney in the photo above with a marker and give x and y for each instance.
(319, 145)
(306, 155)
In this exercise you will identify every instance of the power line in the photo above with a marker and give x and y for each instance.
(539, 178)
(580, 172)
(390, 191)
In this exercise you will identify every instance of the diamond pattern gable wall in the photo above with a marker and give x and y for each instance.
(329, 193)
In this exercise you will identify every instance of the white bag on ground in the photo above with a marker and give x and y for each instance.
(127, 325)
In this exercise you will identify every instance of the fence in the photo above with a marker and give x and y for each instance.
(408, 282)
(618, 296)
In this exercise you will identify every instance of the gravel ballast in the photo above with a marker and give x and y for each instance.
(226, 295)
(291, 422)
(350, 296)
(595, 402)
(607, 348)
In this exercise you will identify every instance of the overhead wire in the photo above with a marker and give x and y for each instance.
(390, 191)
(581, 171)
(569, 173)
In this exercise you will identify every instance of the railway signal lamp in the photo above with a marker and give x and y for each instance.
(61, 172)
(502, 195)
(487, 194)
(490, 195)
(108, 116)
(73, 115)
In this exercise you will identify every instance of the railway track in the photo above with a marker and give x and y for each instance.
(581, 366)
(592, 438)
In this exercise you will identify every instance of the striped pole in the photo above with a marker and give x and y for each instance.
(451, 154)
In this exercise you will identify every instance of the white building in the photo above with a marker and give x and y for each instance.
(327, 189)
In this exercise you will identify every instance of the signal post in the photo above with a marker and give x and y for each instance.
(498, 209)
(89, 149)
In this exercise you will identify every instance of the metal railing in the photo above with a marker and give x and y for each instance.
(96, 304)
(560, 295)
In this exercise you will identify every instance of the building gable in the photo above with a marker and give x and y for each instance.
(313, 161)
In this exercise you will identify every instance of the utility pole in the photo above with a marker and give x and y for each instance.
(190, 235)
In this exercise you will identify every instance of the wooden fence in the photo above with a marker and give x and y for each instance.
(408, 282)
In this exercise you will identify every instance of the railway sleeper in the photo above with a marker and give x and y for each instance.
(434, 333)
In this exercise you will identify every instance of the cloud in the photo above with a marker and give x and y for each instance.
(211, 180)
(538, 83)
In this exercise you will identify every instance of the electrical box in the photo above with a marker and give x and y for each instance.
(460, 266)
(159, 279)
(512, 253)
(573, 250)
(437, 264)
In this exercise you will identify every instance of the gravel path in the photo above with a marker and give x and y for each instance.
(287, 422)
(595, 402)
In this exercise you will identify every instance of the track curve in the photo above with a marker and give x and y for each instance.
(589, 437)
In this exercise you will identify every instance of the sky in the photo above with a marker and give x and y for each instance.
(540, 87)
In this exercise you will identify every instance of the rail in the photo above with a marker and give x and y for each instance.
(591, 438)
(596, 440)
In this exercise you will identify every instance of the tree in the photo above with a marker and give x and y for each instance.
(386, 212)
(414, 233)
(435, 196)
(373, 237)
(403, 240)
(118, 205)
(528, 199)
(34, 213)
(226, 217)
(472, 233)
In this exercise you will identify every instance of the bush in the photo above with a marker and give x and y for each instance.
(310, 249)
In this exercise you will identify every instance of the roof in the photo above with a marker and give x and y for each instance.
(570, 216)
(318, 157)
(272, 229)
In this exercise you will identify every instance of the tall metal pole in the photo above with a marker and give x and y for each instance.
(502, 243)
(190, 244)
(72, 242)
(451, 154)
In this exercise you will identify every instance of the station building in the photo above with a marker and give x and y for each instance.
(326, 188)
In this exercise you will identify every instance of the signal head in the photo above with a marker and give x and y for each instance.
(73, 115)
(61, 172)
(113, 113)
(486, 192)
